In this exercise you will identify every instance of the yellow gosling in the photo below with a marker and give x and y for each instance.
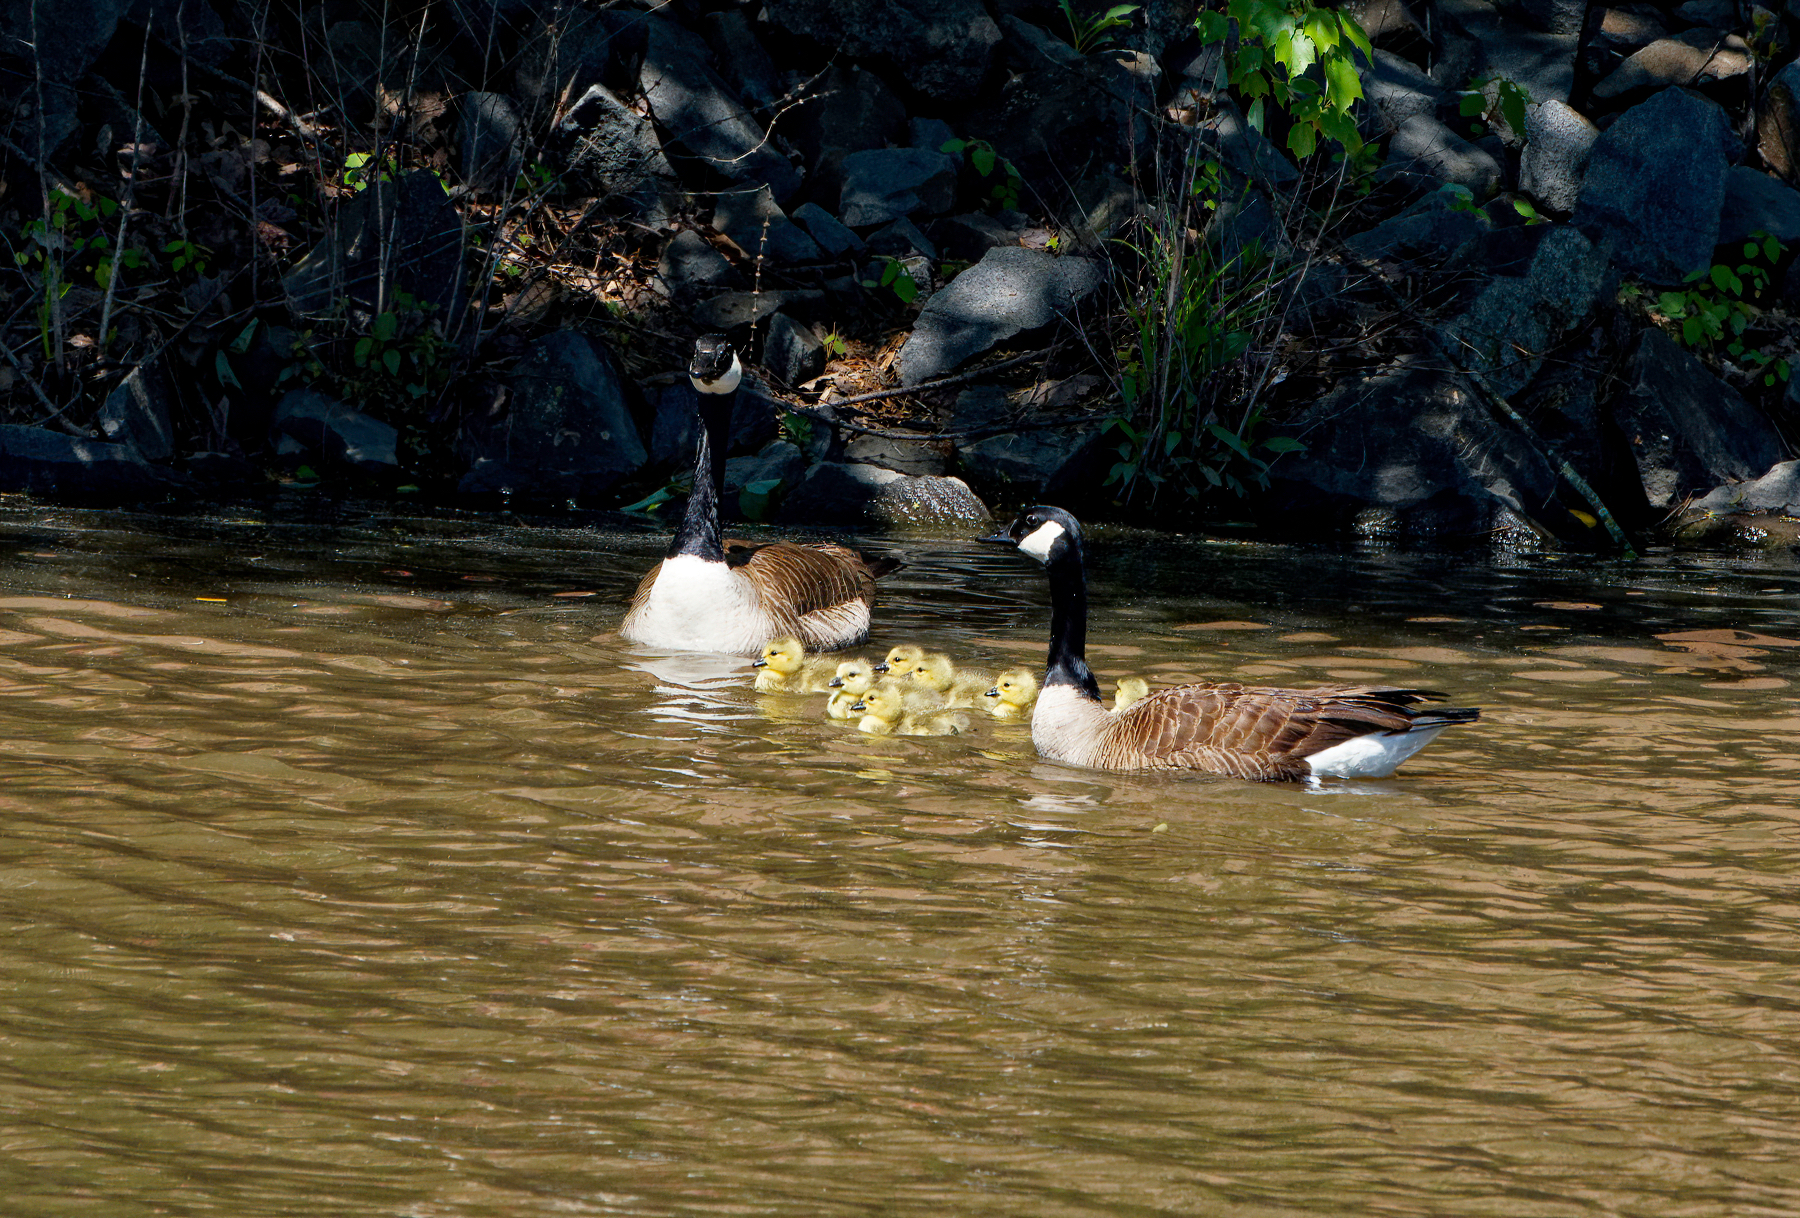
(900, 659)
(852, 681)
(885, 714)
(786, 670)
(960, 687)
(1015, 692)
(1129, 690)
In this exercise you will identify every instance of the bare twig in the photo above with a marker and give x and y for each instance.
(137, 144)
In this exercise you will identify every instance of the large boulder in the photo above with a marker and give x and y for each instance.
(742, 60)
(1691, 58)
(1758, 203)
(58, 43)
(1778, 123)
(1012, 290)
(1655, 186)
(606, 145)
(843, 493)
(1413, 452)
(137, 412)
(698, 115)
(490, 143)
(1482, 38)
(691, 269)
(1516, 320)
(565, 433)
(1776, 491)
(1687, 430)
(675, 428)
(885, 184)
(1049, 119)
(851, 110)
(1431, 230)
(309, 423)
(760, 228)
(792, 351)
(827, 231)
(942, 48)
(1427, 153)
(50, 464)
(1558, 141)
(1394, 90)
(402, 236)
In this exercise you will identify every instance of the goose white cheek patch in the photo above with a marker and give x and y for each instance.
(724, 384)
(1038, 543)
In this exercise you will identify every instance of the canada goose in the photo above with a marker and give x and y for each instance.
(884, 713)
(901, 657)
(786, 670)
(1350, 731)
(960, 686)
(733, 596)
(1013, 694)
(1128, 691)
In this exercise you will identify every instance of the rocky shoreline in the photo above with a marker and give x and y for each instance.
(460, 258)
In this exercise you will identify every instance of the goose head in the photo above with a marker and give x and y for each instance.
(1047, 534)
(715, 368)
(854, 676)
(901, 658)
(784, 656)
(1016, 687)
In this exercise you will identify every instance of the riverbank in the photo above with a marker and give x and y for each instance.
(977, 255)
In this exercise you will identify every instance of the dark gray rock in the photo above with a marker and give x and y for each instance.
(1776, 491)
(1426, 152)
(1244, 218)
(1244, 149)
(942, 48)
(608, 146)
(675, 429)
(1506, 332)
(1430, 230)
(901, 456)
(568, 52)
(358, 63)
(408, 230)
(1687, 430)
(183, 26)
(830, 233)
(968, 237)
(731, 310)
(902, 239)
(1030, 47)
(841, 493)
(778, 461)
(1394, 90)
(1655, 186)
(68, 36)
(698, 115)
(742, 61)
(849, 111)
(565, 433)
(1778, 123)
(1480, 38)
(1049, 120)
(491, 142)
(55, 466)
(1721, 14)
(1034, 464)
(338, 433)
(1558, 141)
(1692, 58)
(1756, 202)
(692, 269)
(791, 351)
(1414, 450)
(932, 134)
(136, 413)
(1010, 291)
(885, 184)
(742, 216)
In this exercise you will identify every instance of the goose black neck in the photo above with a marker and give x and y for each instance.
(1068, 623)
(699, 531)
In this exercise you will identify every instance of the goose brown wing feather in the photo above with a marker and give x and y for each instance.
(1250, 731)
(643, 589)
(795, 580)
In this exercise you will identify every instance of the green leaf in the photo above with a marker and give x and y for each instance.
(905, 289)
(364, 346)
(1283, 444)
(650, 502)
(1254, 115)
(953, 145)
(391, 360)
(222, 367)
(384, 327)
(1342, 85)
(983, 160)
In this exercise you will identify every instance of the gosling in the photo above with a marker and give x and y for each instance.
(900, 659)
(1013, 695)
(786, 670)
(884, 713)
(1129, 690)
(853, 679)
(960, 687)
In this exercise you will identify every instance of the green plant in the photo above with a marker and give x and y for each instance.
(1297, 55)
(187, 256)
(834, 345)
(1091, 33)
(402, 358)
(894, 275)
(1190, 418)
(797, 429)
(1004, 189)
(1491, 97)
(360, 170)
(1715, 306)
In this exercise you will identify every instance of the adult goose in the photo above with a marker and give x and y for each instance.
(709, 594)
(1348, 731)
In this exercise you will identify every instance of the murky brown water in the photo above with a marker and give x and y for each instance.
(361, 871)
